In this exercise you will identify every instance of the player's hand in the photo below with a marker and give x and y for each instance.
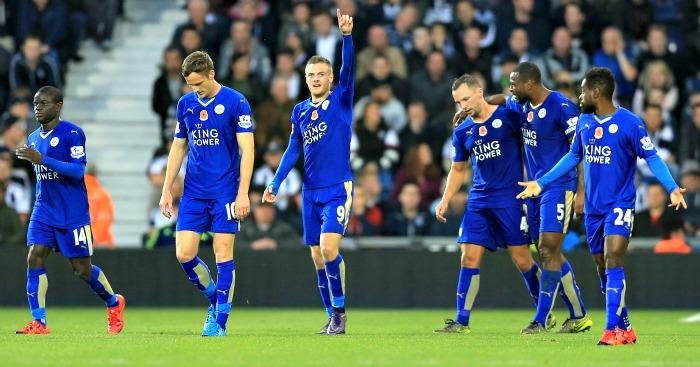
(242, 207)
(29, 154)
(459, 117)
(441, 210)
(166, 204)
(677, 199)
(532, 189)
(268, 196)
(344, 22)
(578, 204)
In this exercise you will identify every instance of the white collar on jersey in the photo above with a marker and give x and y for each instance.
(44, 134)
(204, 104)
(603, 120)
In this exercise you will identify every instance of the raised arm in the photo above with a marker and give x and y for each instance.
(347, 68)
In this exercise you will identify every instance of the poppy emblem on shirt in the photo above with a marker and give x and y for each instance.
(598, 132)
(482, 131)
(54, 141)
(542, 113)
(219, 109)
(314, 115)
(530, 116)
(203, 115)
(612, 128)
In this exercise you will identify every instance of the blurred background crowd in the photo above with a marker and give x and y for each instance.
(407, 55)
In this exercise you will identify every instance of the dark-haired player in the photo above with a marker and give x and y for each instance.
(61, 218)
(608, 140)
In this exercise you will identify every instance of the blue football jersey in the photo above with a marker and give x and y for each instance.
(210, 127)
(494, 146)
(547, 129)
(609, 148)
(61, 201)
(325, 129)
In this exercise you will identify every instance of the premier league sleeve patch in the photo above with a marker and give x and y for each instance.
(245, 122)
(77, 152)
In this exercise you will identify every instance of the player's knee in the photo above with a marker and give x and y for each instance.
(470, 260)
(83, 271)
(523, 263)
(34, 261)
(183, 256)
(329, 253)
(613, 260)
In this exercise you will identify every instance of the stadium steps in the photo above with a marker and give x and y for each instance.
(109, 95)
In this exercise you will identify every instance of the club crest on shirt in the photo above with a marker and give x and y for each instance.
(203, 115)
(54, 141)
(314, 115)
(612, 128)
(530, 116)
(219, 109)
(542, 113)
(497, 123)
(325, 104)
(482, 131)
(598, 132)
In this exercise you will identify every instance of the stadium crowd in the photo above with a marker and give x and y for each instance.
(408, 54)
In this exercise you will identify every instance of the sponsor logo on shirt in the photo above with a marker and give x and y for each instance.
(77, 151)
(315, 133)
(487, 150)
(597, 154)
(530, 137)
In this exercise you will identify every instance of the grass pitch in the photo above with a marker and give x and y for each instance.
(285, 337)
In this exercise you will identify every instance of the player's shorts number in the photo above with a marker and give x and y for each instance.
(624, 217)
(80, 236)
(230, 207)
(560, 212)
(523, 224)
(341, 214)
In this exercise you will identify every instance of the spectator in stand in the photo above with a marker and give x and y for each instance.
(690, 138)
(400, 32)
(19, 110)
(690, 180)
(211, 27)
(650, 222)
(656, 85)
(243, 80)
(562, 56)
(31, 68)
(522, 14)
(438, 11)
(101, 210)
(241, 40)
(326, 40)
(422, 46)
(285, 69)
(190, 41)
(11, 227)
(378, 43)
(661, 134)
(419, 130)
(266, 233)
(468, 15)
(101, 20)
(167, 90)
(381, 73)
(474, 59)
(617, 57)
(272, 116)
(393, 112)
(13, 134)
(518, 49)
(45, 20)
(442, 40)
(583, 32)
(372, 141)
(657, 48)
(418, 167)
(364, 221)
(433, 85)
(369, 177)
(15, 195)
(407, 219)
(290, 187)
(298, 22)
(674, 240)
(296, 45)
